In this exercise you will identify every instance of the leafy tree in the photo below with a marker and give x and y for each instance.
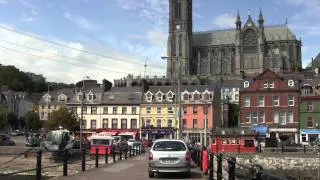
(33, 120)
(62, 117)
(13, 120)
(233, 114)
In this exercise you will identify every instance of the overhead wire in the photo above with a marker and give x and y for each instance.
(72, 58)
(73, 48)
(65, 62)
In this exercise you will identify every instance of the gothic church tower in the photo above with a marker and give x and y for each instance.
(180, 37)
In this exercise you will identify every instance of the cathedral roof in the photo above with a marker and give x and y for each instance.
(228, 36)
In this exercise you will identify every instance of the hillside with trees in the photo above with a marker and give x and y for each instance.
(17, 80)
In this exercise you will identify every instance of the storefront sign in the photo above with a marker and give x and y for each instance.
(310, 131)
(157, 131)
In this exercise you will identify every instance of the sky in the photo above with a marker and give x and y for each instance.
(68, 40)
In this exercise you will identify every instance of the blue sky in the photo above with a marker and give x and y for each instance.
(132, 31)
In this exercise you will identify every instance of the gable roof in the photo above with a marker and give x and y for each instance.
(228, 36)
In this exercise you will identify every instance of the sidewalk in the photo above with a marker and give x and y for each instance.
(135, 168)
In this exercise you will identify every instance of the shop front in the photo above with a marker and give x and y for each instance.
(157, 133)
(307, 136)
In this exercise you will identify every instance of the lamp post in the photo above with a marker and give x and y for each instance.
(81, 107)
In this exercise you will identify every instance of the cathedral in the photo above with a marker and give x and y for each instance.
(249, 48)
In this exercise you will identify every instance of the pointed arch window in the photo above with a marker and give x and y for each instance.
(159, 96)
(173, 45)
(170, 96)
(250, 42)
(180, 44)
(148, 96)
(177, 9)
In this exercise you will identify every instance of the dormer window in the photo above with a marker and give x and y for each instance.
(148, 96)
(206, 95)
(196, 96)
(159, 96)
(185, 96)
(80, 96)
(246, 84)
(62, 98)
(170, 96)
(47, 98)
(291, 83)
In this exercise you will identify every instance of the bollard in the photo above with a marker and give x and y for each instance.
(282, 148)
(232, 168)
(113, 154)
(38, 173)
(125, 153)
(107, 155)
(256, 172)
(65, 163)
(304, 149)
(219, 166)
(83, 159)
(211, 166)
(200, 158)
(130, 151)
(97, 158)
(139, 149)
(260, 150)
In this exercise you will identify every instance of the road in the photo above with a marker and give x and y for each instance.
(135, 168)
(19, 140)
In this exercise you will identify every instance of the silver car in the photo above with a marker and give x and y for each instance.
(169, 155)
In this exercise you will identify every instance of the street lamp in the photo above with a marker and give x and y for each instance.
(81, 118)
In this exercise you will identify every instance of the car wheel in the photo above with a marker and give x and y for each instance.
(187, 174)
(151, 174)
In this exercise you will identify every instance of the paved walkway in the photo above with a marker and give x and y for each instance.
(135, 168)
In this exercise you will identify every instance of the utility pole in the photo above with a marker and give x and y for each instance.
(179, 101)
(205, 123)
(145, 69)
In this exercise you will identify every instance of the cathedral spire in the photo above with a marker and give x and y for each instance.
(238, 21)
(260, 16)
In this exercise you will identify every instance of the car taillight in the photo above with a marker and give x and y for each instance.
(188, 158)
(150, 156)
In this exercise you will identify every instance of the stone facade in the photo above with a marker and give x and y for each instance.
(248, 49)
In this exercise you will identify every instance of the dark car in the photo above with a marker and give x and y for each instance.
(6, 141)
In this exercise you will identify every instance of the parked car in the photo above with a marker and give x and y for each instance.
(16, 133)
(131, 142)
(6, 141)
(169, 155)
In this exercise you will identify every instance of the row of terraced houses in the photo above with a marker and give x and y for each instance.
(287, 104)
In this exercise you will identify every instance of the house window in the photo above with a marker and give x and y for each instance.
(159, 110)
(133, 123)
(93, 110)
(261, 101)
(105, 110)
(42, 106)
(307, 91)
(247, 102)
(134, 110)
(84, 124)
(261, 117)
(80, 97)
(309, 106)
(158, 122)
(148, 122)
(124, 110)
(271, 85)
(93, 124)
(195, 109)
(282, 118)
(206, 96)
(90, 97)
(291, 100)
(148, 109)
(196, 97)
(309, 122)
(149, 97)
(104, 123)
(184, 110)
(114, 123)
(236, 97)
(170, 96)
(74, 110)
(266, 85)
(246, 84)
(114, 110)
(186, 97)
(170, 110)
(123, 123)
(169, 123)
(276, 101)
(159, 97)
(276, 117)
(42, 115)
(84, 110)
(184, 124)
(304, 137)
(289, 117)
(248, 117)
(49, 107)
(195, 123)
(254, 117)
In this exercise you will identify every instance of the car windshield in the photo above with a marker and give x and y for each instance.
(169, 146)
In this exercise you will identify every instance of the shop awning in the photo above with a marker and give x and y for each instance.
(127, 133)
(105, 133)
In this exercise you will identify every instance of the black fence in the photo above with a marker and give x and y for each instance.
(118, 154)
(232, 169)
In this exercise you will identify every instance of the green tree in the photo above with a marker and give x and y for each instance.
(13, 120)
(33, 120)
(64, 118)
(233, 114)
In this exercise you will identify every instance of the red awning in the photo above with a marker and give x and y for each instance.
(104, 133)
(127, 133)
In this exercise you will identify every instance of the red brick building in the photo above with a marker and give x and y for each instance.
(271, 100)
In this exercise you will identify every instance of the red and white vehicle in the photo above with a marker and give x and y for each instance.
(101, 141)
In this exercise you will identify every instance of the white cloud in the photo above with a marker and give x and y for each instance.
(225, 21)
(27, 19)
(55, 68)
(82, 22)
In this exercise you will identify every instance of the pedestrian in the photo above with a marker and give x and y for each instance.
(205, 160)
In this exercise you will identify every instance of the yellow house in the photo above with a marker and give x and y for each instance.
(158, 113)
